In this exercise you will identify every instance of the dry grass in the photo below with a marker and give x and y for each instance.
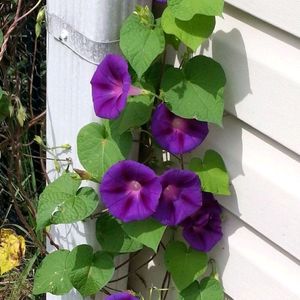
(22, 77)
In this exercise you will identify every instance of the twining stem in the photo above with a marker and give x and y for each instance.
(31, 77)
(168, 286)
(105, 291)
(97, 214)
(155, 95)
(48, 158)
(163, 287)
(181, 162)
(51, 240)
(186, 55)
(110, 288)
(138, 268)
(12, 27)
(147, 132)
(213, 267)
(37, 119)
(127, 260)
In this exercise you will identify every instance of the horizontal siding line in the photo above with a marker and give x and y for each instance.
(245, 261)
(264, 181)
(268, 13)
(263, 136)
(263, 237)
(262, 25)
(262, 77)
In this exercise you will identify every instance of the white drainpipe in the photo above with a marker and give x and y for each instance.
(80, 34)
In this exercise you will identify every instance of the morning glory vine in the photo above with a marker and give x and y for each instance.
(166, 110)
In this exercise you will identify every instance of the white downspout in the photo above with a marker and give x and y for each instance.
(80, 34)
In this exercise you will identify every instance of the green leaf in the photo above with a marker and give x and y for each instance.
(1, 37)
(192, 292)
(4, 106)
(112, 237)
(149, 232)
(141, 43)
(89, 272)
(38, 29)
(152, 76)
(209, 288)
(212, 172)
(199, 86)
(185, 265)
(186, 9)
(62, 202)
(75, 207)
(53, 274)
(193, 32)
(137, 112)
(97, 151)
(123, 141)
(21, 115)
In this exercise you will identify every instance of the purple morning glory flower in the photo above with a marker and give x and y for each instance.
(121, 296)
(181, 196)
(203, 229)
(111, 85)
(130, 191)
(175, 134)
(161, 1)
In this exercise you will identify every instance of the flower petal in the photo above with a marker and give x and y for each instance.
(111, 83)
(121, 296)
(175, 134)
(130, 191)
(203, 229)
(181, 196)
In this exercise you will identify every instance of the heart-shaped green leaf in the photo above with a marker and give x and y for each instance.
(149, 232)
(112, 237)
(199, 86)
(62, 202)
(208, 289)
(89, 272)
(137, 112)
(184, 264)
(52, 276)
(193, 32)
(212, 172)
(97, 151)
(186, 9)
(141, 42)
(74, 207)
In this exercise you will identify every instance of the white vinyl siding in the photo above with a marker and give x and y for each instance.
(281, 13)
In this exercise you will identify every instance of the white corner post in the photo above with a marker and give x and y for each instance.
(80, 34)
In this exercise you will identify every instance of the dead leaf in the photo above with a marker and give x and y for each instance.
(12, 249)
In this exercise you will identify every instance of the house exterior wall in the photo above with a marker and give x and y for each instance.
(258, 45)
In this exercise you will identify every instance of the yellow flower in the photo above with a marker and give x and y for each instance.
(12, 249)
